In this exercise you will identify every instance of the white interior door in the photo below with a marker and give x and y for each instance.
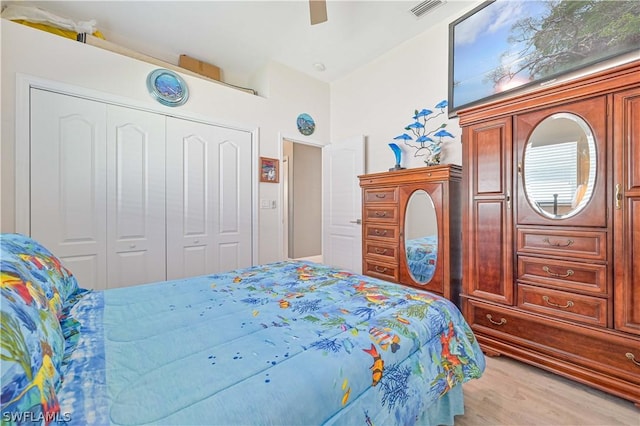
(135, 197)
(209, 213)
(68, 182)
(342, 204)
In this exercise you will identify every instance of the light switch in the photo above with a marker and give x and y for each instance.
(265, 204)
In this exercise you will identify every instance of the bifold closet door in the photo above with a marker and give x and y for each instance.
(135, 197)
(98, 189)
(209, 213)
(68, 182)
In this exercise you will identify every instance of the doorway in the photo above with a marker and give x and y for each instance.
(302, 201)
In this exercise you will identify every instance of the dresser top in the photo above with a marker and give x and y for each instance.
(420, 174)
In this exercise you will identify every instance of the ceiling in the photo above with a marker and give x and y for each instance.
(242, 36)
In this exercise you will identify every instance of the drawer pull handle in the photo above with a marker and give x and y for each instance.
(381, 270)
(378, 232)
(381, 214)
(503, 321)
(553, 274)
(383, 251)
(557, 244)
(632, 358)
(381, 195)
(546, 300)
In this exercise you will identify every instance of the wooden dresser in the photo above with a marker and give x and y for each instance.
(551, 279)
(390, 209)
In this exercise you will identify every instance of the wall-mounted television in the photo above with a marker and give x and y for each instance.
(506, 45)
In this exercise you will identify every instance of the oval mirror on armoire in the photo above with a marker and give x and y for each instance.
(560, 166)
(421, 236)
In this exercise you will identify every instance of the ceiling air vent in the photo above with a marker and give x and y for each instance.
(426, 6)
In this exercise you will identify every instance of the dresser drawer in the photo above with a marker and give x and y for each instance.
(381, 270)
(562, 304)
(381, 195)
(576, 244)
(381, 232)
(381, 214)
(561, 274)
(384, 252)
(592, 349)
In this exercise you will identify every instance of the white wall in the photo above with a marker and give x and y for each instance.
(380, 98)
(39, 54)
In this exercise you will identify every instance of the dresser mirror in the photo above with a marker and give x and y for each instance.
(421, 236)
(559, 166)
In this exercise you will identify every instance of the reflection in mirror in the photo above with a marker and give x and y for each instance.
(421, 236)
(560, 166)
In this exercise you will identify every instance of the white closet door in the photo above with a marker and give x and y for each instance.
(136, 197)
(209, 212)
(68, 182)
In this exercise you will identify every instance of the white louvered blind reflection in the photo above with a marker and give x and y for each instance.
(555, 173)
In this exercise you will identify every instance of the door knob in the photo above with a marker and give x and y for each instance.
(357, 221)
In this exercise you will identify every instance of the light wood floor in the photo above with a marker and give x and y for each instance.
(513, 393)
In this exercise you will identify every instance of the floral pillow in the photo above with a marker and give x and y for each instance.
(32, 347)
(36, 293)
(41, 267)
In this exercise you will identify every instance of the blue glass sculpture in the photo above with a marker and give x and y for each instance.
(425, 145)
(398, 152)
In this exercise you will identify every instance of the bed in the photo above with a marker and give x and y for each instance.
(421, 257)
(282, 343)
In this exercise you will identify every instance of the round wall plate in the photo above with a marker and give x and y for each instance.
(305, 123)
(167, 87)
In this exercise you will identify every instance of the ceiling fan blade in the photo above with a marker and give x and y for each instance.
(318, 11)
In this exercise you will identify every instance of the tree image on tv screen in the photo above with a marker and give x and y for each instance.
(570, 34)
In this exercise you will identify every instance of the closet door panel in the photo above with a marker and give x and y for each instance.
(68, 182)
(136, 195)
(234, 199)
(195, 261)
(195, 185)
(190, 237)
(208, 198)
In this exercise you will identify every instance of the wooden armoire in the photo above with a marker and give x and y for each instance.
(411, 227)
(551, 228)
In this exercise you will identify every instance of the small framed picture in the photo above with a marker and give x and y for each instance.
(269, 170)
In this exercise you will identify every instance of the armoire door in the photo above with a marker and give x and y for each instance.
(561, 144)
(487, 220)
(135, 197)
(626, 210)
(209, 212)
(420, 207)
(68, 182)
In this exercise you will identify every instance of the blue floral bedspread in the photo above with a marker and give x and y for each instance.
(283, 343)
(421, 257)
